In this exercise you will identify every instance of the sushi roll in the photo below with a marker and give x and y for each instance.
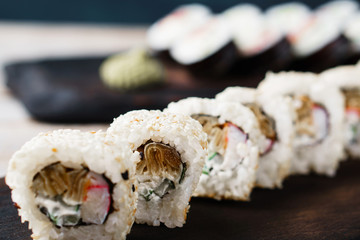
(352, 34)
(347, 80)
(172, 151)
(232, 158)
(260, 46)
(288, 17)
(318, 116)
(208, 50)
(275, 122)
(73, 185)
(319, 45)
(165, 32)
(338, 11)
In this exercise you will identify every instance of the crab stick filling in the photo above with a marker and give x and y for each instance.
(160, 170)
(267, 127)
(223, 142)
(72, 197)
(352, 115)
(311, 123)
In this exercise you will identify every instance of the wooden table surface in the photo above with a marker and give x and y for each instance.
(308, 207)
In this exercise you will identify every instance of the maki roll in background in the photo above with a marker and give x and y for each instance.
(260, 46)
(319, 45)
(165, 32)
(275, 122)
(338, 11)
(352, 33)
(347, 80)
(232, 157)
(71, 185)
(288, 17)
(208, 50)
(318, 117)
(172, 150)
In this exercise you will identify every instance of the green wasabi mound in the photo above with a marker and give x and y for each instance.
(131, 70)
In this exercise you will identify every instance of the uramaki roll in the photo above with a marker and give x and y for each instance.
(274, 119)
(318, 116)
(347, 80)
(232, 157)
(73, 185)
(172, 149)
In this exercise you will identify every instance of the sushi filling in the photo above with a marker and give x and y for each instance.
(267, 127)
(221, 139)
(72, 197)
(159, 171)
(312, 121)
(352, 115)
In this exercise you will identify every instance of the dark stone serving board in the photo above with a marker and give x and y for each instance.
(70, 90)
(308, 207)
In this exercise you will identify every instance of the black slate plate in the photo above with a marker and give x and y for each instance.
(308, 207)
(70, 90)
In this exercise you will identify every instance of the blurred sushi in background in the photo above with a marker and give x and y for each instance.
(288, 17)
(165, 32)
(352, 34)
(244, 40)
(260, 46)
(208, 50)
(320, 44)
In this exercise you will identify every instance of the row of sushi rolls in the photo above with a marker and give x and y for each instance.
(286, 36)
(148, 164)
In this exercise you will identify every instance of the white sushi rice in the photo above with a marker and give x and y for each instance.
(74, 149)
(274, 166)
(346, 77)
(234, 177)
(180, 132)
(322, 156)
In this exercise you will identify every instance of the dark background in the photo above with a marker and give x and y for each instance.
(110, 11)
